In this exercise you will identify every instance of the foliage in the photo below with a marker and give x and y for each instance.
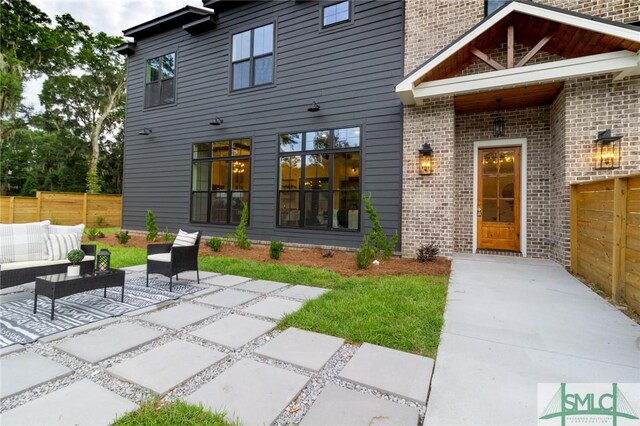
(122, 237)
(241, 230)
(215, 244)
(75, 256)
(175, 413)
(427, 252)
(99, 221)
(327, 253)
(365, 254)
(167, 236)
(275, 249)
(377, 238)
(152, 228)
(92, 234)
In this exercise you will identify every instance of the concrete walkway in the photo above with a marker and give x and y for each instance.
(511, 323)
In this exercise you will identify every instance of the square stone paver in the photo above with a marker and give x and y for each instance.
(340, 406)
(303, 292)
(228, 298)
(180, 315)
(302, 348)
(225, 280)
(234, 331)
(28, 370)
(191, 275)
(252, 392)
(101, 344)
(389, 370)
(165, 367)
(274, 308)
(261, 286)
(81, 403)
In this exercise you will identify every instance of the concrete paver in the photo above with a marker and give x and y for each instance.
(81, 403)
(303, 292)
(179, 316)
(273, 308)
(228, 298)
(165, 367)
(101, 344)
(250, 391)
(389, 370)
(302, 348)
(338, 406)
(28, 370)
(191, 275)
(234, 330)
(261, 286)
(225, 280)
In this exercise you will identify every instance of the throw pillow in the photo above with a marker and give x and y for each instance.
(62, 229)
(22, 242)
(185, 239)
(59, 245)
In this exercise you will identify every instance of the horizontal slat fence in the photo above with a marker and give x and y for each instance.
(64, 208)
(605, 236)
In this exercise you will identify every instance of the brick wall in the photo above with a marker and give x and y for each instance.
(559, 196)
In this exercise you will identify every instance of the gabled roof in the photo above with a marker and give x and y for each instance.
(185, 15)
(557, 31)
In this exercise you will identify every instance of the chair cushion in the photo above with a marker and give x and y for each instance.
(185, 239)
(21, 242)
(59, 245)
(160, 257)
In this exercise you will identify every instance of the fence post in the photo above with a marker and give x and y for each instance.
(38, 206)
(619, 237)
(573, 217)
(84, 209)
(12, 208)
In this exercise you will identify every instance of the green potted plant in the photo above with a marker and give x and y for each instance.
(75, 257)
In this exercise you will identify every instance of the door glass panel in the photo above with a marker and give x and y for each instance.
(289, 209)
(490, 163)
(489, 187)
(316, 208)
(506, 162)
(506, 187)
(489, 210)
(506, 211)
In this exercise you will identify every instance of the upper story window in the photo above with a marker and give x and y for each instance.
(160, 76)
(252, 57)
(491, 6)
(336, 13)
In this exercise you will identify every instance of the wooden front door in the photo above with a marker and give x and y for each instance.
(498, 212)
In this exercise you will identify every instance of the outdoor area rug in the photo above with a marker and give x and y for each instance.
(18, 323)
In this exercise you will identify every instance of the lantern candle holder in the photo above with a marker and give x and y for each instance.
(103, 261)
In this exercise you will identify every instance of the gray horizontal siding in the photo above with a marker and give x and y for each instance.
(349, 70)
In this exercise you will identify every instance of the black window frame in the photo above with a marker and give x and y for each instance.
(160, 81)
(331, 152)
(486, 6)
(230, 158)
(324, 6)
(251, 59)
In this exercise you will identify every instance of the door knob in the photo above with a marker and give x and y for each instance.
(479, 212)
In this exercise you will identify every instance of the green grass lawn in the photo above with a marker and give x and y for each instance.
(176, 413)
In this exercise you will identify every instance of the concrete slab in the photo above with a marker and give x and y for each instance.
(81, 403)
(261, 286)
(180, 315)
(99, 345)
(388, 370)
(252, 392)
(234, 331)
(208, 290)
(77, 330)
(165, 367)
(28, 370)
(273, 308)
(338, 406)
(225, 280)
(228, 298)
(191, 275)
(302, 348)
(151, 308)
(303, 292)
(16, 347)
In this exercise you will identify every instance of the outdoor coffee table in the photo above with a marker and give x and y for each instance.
(61, 285)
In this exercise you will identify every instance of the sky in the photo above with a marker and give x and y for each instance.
(110, 16)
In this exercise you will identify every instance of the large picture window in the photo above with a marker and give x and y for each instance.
(160, 76)
(221, 181)
(252, 57)
(319, 179)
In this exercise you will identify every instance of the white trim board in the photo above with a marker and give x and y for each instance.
(522, 143)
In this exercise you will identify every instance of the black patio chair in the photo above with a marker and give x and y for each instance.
(167, 260)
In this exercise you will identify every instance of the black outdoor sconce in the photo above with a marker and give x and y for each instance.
(103, 261)
(425, 159)
(145, 132)
(217, 121)
(498, 122)
(314, 107)
(607, 151)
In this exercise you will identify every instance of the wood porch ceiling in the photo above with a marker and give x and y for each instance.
(516, 97)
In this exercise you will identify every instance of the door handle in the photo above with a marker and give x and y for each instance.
(479, 212)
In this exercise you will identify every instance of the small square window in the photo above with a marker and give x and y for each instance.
(335, 13)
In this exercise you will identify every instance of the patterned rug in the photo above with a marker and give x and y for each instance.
(18, 323)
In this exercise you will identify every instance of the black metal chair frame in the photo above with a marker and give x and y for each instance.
(182, 259)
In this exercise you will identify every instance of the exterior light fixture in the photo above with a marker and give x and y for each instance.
(425, 159)
(314, 107)
(217, 121)
(607, 151)
(103, 261)
(498, 123)
(145, 132)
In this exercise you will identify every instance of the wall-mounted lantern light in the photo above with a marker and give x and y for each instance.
(498, 122)
(425, 159)
(607, 151)
(145, 132)
(217, 121)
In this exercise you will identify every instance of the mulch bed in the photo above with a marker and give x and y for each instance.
(342, 262)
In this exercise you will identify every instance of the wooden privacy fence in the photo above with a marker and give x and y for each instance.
(64, 208)
(605, 236)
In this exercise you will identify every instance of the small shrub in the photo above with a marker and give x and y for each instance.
(382, 244)
(275, 249)
(427, 252)
(327, 253)
(75, 256)
(100, 221)
(152, 228)
(92, 234)
(54, 221)
(215, 244)
(167, 236)
(101, 234)
(365, 254)
(241, 230)
(122, 237)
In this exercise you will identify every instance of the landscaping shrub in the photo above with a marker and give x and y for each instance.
(215, 244)
(378, 240)
(122, 237)
(275, 249)
(327, 253)
(241, 230)
(365, 254)
(167, 236)
(427, 252)
(152, 228)
(99, 221)
(92, 234)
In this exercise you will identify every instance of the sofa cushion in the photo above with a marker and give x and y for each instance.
(77, 230)
(35, 263)
(21, 242)
(160, 257)
(59, 245)
(185, 239)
